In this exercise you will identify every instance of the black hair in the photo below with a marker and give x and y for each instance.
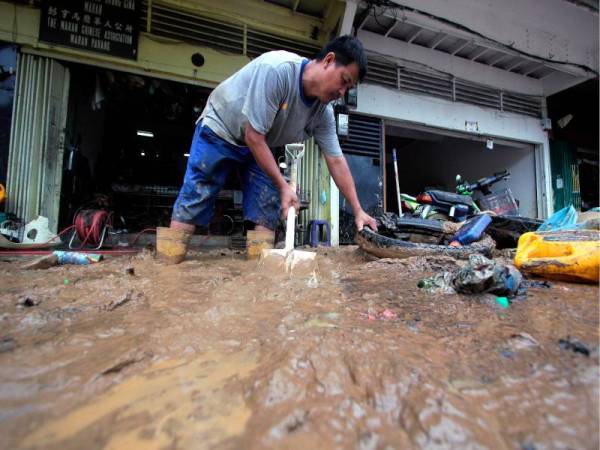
(348, 50)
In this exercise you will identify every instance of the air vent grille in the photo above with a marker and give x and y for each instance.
(364, 136)
(522, 104)
(170, 23)
(382, 72)
(477, 94)
(426, 83)
(386, 73)
(260, 42)
(209, 32)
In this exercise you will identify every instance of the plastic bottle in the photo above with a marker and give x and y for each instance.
(472, 230)
(76, 257)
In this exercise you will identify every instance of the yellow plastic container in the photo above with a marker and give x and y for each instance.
(563, 255)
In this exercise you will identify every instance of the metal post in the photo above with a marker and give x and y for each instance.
(397, 182)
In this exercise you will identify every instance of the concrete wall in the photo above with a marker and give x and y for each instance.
(562, 35)
(557, 30)
(403, 52)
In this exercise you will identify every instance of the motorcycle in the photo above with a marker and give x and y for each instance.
(457, 206)
(506, 226)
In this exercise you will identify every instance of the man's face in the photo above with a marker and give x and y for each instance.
(336, 79)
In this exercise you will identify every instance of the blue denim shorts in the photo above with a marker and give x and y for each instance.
(211, 158)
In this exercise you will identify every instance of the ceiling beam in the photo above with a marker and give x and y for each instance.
(498, 59)
(515, 65)
(437, 40)
(460, 47)
(478, 54)
(390, 29)
(533, 69)
(413, 36)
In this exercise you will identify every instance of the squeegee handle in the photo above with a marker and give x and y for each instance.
(291, 214)
(290, 229)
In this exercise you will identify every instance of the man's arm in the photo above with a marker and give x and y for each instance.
(339, 170)
(264, 158)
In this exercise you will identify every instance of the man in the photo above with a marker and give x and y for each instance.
(279, 98)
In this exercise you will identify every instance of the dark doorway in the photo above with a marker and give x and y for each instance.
(127, 143)
(574, 142)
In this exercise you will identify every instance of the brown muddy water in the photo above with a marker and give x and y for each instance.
(217, 353)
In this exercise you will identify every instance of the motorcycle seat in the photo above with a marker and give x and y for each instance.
(449, 198)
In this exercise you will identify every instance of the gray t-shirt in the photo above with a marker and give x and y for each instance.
(268, 93)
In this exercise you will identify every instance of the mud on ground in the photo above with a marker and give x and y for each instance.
(217, 353)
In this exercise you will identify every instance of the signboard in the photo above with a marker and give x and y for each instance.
(103, 26)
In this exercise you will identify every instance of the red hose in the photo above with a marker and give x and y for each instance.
(89, 225)
(47, 252)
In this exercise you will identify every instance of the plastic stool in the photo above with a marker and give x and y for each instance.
(320, 233)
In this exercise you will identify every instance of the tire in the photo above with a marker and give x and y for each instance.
(419, 225)
(386, 247)
(413, 229)
(506, 230)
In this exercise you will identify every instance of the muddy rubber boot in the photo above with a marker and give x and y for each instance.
(257, 241)
(171, 244)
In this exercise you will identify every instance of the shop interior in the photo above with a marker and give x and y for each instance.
(574, 146)
(430, 159)
(127, 144)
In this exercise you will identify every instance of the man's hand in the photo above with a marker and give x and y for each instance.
(264, 158)
(288, 198)
(362, 218)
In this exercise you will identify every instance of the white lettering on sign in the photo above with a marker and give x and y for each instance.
(78, 40)
(69, 26)
(101, 45)
(129, 4)
(52, 22)
(90, 31)
(118, 37)
(116, 3)
(92, 8)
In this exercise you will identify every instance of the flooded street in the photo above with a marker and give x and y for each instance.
(217, 353)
